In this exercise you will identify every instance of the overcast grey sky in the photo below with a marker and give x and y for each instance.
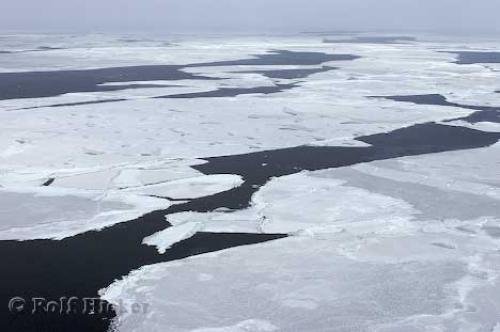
(249, 15)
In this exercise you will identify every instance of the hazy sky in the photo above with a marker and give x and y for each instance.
(249, 15)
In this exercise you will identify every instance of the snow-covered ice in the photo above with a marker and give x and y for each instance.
(192, 187)
(168, 237)
(406, 244)
(43, 213)
(336, 283)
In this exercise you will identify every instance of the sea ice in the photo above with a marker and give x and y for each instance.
(43, 213)
(409, 244)
(168, 237)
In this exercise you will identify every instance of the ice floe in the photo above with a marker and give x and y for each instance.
(191, 187)
(309, 284)
(168, 237)
(55, 213)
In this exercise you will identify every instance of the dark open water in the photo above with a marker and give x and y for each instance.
(482, 114)
(54, 83)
